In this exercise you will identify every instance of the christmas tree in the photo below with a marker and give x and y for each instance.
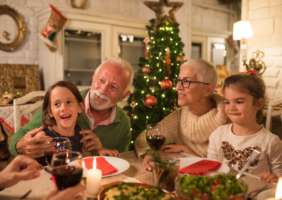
(155, 96)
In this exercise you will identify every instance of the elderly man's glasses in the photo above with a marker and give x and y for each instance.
(186, 83)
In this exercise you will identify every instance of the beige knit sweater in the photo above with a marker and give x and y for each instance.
(185, 128)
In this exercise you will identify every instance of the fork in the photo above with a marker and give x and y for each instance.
(252, 194)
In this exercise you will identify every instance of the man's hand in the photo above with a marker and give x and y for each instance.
(108, 152)
(32, 143)
(21, 168)
(90, 140)
(67, 194)
(268, 177)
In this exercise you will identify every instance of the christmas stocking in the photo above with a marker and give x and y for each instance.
(50, 30)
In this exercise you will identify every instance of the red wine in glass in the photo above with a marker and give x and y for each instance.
(49, 154)
(66, 176)
(156, 141)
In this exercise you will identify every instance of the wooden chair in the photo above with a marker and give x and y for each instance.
(29, 111)
(273, 112)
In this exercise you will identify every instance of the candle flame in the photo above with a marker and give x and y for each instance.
(279, 189)
(83, 164)
(94, 163)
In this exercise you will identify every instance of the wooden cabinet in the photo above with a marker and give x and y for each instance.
(86, 40)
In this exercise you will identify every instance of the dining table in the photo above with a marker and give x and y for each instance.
(42, 185)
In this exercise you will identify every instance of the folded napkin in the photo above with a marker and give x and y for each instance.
(101, 163)
(201, 167)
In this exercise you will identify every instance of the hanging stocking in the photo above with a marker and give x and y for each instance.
(50, 30)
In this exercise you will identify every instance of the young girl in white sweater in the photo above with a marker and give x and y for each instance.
(233, 143)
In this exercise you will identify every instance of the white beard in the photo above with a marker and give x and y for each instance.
(96, 104)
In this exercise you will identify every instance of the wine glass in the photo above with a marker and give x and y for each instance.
(55, 145)
(155, 135)
(65, 169)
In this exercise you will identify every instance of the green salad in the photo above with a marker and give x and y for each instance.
(128, 191)
(220, 186)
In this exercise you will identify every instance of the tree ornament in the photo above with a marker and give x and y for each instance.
(146, 40)
(150, 101)
(180, 59)
(146, 69)
(132, 105)
(51, 29)
(157, 7)
(168, 60)
(166, 84)
(174, 106)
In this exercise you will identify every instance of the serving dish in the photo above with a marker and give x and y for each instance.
(210, 188)
(101, 195)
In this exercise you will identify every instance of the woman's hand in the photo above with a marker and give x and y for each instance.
(105, 152)
(147, 165)
(21, 168)
(175, 148)
(268, 177)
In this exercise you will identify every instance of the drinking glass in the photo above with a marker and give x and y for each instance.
(65, 170)
(55, 145)
(165, 172)
(156, 135)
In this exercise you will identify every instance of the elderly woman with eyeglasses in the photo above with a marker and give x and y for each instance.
(202, 111)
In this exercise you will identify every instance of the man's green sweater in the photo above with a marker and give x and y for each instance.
(115, 136)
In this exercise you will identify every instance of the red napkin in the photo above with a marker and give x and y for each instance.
(201, 167)
(101, 164)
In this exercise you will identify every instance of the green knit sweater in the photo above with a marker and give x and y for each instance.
(115, 136)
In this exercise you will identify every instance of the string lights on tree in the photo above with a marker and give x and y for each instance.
(154, 92)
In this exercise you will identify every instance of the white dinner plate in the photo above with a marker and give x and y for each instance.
(184, 162)
(120, 164)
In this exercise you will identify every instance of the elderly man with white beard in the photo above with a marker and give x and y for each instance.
(104, 124)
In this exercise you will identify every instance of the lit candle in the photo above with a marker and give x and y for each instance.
(278, 195)
(93, 180)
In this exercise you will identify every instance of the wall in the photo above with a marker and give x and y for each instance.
(265, 17)
(27, 53)
(186, 16)
(209, 14)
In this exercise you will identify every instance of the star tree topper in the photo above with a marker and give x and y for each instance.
(157, 7)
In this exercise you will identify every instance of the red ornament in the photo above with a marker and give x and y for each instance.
(146, 70)
(150, 101)
(166, 84)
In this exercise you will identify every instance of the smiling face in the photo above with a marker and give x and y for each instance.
(240, 107)
(191, 95)
(108, 86)
(64, 107)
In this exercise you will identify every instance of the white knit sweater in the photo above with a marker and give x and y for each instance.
(185, 128)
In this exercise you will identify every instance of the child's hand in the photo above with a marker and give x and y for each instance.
(104, 152)
(268, 177)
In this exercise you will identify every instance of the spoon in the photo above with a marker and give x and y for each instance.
(251, 158)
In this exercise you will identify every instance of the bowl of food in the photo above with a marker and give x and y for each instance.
(122, 190)
(218, 187)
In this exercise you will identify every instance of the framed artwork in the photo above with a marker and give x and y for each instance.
(19, 80)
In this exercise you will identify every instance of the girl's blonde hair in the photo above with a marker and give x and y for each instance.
(252, 84)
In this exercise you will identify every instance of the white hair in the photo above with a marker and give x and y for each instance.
(206, 72)
(121, 63)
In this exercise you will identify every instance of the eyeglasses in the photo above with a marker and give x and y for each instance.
(186, 83)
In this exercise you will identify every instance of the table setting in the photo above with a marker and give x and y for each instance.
(133, 172)
(173, 176)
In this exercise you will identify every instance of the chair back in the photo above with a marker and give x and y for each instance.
(273, 112)
(29, 111)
